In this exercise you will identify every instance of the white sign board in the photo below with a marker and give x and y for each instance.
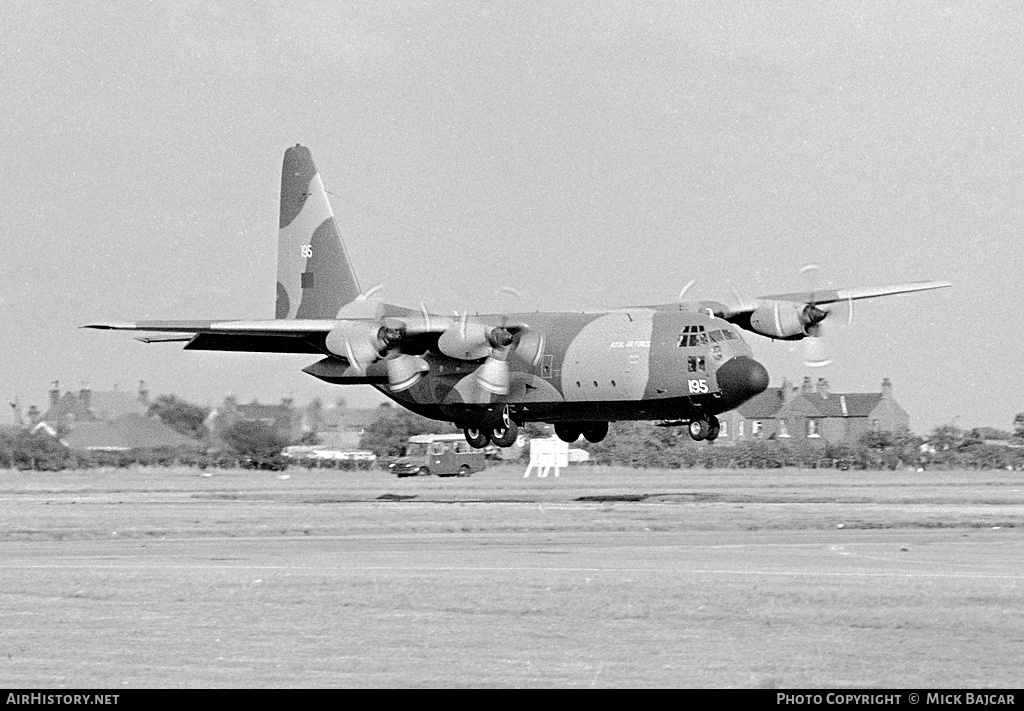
(546, 454)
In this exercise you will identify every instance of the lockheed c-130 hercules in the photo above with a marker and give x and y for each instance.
(682, 362)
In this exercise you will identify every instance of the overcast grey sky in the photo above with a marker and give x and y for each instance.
(587, 154)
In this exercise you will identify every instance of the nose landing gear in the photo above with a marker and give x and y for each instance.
(705, 429)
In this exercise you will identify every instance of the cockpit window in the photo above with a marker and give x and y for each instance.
(693, 336)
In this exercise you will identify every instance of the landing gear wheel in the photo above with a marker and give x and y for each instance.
(423, 471)
(505, 436)
(464, 470)
(714, 426)
(595, 431)
(567, 432)
(699, 429)
(478, 439)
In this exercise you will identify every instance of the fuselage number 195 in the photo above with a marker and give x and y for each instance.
(307, 251)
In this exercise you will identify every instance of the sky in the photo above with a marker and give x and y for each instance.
(588, 155)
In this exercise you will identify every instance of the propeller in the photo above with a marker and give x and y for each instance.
(815, 351)
(363, 343)
(471, 340)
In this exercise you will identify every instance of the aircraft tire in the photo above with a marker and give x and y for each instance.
(596, 431)
(714, 428)
(478, 439)
(567, 432)
(699, 429)
(423, 471)
(465, 471)
(505, 436)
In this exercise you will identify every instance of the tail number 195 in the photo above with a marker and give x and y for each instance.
(698, 387)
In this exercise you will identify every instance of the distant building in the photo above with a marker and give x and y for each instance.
(283, 418)
(105, 420)
(813, 412)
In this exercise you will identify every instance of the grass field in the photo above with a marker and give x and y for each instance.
(601, 577)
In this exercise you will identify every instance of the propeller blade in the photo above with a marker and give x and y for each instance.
(404, 371)
(360, 342)
(814, 352)
(494, 375)
(466, 340)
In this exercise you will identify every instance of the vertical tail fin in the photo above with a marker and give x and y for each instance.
(314, 274)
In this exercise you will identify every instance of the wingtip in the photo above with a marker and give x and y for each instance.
(110, 326)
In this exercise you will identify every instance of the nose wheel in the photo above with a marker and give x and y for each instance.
(705, 429)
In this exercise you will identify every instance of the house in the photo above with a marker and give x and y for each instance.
(812, 412)
(283, 418)
(106, 420)
(343, 427)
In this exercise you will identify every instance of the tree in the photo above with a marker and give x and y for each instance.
(946, 437)
(889, 439)
(181, 416)
(387, 435)
(28, 450)
(1018, 425)
(984, 433)
(255, 439)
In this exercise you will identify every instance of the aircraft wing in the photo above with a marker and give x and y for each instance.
(278, 335)
(831, 296)
(268, 336)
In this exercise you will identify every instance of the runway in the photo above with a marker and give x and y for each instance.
(599, 609)
(167, 579)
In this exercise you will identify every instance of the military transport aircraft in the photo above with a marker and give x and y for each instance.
(682, 362)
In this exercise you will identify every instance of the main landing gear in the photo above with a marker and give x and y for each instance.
(705, 429)
(591, 431)
(503, 433)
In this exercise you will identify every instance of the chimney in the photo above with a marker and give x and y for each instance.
(807, 388)
(85, 397)
(34, 415)
(823, 388)
(143, 393)
(786, 392)
(55, 393)
(886, 389)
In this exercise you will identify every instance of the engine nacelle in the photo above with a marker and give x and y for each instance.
(784, 320)
(357, 341)
(467, 340)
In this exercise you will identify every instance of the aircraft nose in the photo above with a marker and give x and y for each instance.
(740, 379)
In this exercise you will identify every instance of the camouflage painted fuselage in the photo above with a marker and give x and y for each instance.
(633, 364)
